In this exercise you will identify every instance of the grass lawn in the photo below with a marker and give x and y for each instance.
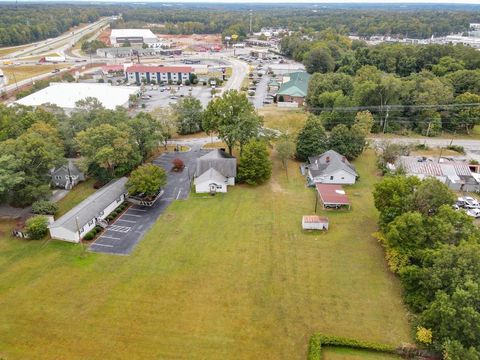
(75, 196)
(23, 72)
(230, 277)
(283, 119)
(9, 50)
(335, 353)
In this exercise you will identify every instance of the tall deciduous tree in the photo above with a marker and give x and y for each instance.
(108, 147)
(188, 113)
(348, 142)
(146, 180)
(286, 150)
(146, 132)
(233, 117)
(312, 139)
(255, 167)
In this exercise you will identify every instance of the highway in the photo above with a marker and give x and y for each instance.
(60, 43)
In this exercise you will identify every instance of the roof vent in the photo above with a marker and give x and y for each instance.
(343, 159)
(327, 159)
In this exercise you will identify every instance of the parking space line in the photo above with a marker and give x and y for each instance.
(132, 215)
(109, 237)
(106, 245)
(138, 209)
(129, 221)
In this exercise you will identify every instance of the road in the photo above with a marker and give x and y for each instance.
(61, 42)
(472, 147)
(239, 71)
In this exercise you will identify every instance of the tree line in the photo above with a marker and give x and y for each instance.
(425, 88)
(111, 143)
(435, 251)
(28, 23)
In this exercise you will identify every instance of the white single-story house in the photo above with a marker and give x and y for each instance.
(90, 212)
(211, 181)
(331, 168)
(225, 169)
(314, 222)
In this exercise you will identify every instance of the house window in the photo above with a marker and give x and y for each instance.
(58, 177)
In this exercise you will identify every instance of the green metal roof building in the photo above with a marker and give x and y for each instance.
(296, 87)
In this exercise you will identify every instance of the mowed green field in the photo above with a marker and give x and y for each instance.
(230, 277)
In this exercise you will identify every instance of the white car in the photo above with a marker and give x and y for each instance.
(474, 213)
(471, 203)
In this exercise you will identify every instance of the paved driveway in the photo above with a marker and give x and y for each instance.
(121, 237)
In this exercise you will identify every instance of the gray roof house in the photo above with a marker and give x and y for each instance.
(73, 225)
(67, 176)
(331, 168)
(215, 171)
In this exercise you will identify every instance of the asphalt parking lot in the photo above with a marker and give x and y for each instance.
(164, 98)
(129, 228)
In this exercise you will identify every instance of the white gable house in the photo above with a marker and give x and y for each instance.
(331, 168)
(215, 171)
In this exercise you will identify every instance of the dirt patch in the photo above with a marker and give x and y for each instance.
(105, 36)
(276, 187)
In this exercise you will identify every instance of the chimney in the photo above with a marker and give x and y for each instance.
(327, 159)
(343, 159)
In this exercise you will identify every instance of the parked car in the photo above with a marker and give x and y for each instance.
(460, 202)
(474, 213)
(471, 203)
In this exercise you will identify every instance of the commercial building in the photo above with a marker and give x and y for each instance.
(458, 175)
(90, 212)
(137, 74)
(66, 95)
(132, 36)
(294, 88)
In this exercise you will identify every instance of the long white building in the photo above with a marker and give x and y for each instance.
(133, 36)
(66, 95)
(137, 74)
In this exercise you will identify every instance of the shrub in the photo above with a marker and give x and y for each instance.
(178, 164)
(89, 236)
(317, 340)
(36, 227)
(424, 336)
(456, 148)
(44, 207)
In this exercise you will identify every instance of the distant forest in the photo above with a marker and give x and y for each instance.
(27, 23)
(35, 22)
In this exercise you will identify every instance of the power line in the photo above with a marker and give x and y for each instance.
(394, 107)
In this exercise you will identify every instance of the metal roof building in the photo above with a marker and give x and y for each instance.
(139, 36)
(65, 95)
(332, 196)
(82, 218)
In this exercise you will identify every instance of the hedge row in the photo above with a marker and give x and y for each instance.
(113, 215)
(91, 234)
(317, 340)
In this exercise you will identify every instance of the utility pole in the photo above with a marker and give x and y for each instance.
(386, 119)
(251, 14)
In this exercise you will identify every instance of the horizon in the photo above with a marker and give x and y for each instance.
(223, 2)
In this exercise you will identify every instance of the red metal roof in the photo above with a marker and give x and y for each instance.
(332, 194)
(160, 69)
(114, 68)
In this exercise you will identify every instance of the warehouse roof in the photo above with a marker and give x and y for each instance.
(65, 95)
(160, 69)
(92, 206)
(145, 33)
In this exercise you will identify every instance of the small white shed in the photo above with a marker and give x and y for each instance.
(314, 222)
(211, 181)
